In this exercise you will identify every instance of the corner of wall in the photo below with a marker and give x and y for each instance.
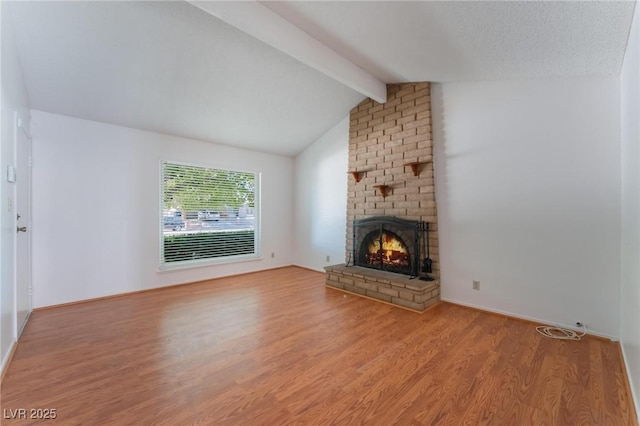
(630, 209)
(320, 197)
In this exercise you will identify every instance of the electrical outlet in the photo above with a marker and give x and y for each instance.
(328, 258)
(273, 255)
(476, 285)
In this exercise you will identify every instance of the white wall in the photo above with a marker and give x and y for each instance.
(14, 99)
(528, 190)
(630, 266)
(96, 200)
(321, 199)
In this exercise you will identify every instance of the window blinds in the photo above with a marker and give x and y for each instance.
(208, 214)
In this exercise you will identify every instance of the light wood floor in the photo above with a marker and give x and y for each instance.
(277, 347)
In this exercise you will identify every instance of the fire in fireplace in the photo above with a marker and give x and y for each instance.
(387, 243)
(386, 248)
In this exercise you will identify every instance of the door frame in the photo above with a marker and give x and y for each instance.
(21, 125)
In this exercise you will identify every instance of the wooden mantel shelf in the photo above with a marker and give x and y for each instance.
(414, 166)
(383, 189)
(356, 175)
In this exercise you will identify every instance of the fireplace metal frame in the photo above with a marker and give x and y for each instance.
(416, 227)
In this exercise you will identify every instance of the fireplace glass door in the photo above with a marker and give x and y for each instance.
(387, 243)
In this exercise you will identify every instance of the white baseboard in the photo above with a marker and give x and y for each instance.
(7, 359)
(634, 396)
(532, 319)
(309, 268)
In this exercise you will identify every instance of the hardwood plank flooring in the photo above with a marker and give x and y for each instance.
(278, 348)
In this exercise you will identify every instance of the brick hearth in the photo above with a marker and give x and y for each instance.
(393, 288)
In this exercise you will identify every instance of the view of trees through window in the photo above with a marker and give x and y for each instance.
(207, 213)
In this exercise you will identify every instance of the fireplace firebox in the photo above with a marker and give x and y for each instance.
(387, 243)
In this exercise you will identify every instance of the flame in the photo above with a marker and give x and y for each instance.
(389, 245)
(393, 251)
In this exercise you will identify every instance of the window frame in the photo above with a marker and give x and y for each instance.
(187, 264)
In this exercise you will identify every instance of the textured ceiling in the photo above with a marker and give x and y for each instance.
(467, 41)
(172, 68)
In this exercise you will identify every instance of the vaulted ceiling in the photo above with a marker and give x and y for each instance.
(214, 73)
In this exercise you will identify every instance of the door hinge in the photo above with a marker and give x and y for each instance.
(30, 291)
(30, 161)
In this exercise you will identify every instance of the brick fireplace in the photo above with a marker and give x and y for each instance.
(391, 175)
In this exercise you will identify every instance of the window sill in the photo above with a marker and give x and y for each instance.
(190, 264)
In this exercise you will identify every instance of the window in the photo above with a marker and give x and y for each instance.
(208, 215)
